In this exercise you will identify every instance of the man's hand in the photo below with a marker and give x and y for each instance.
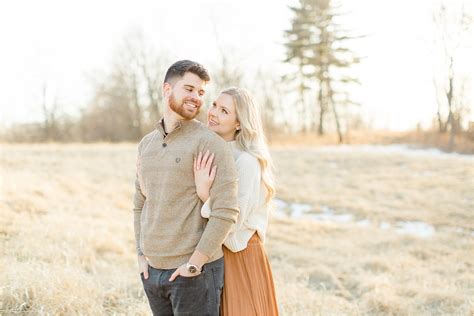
(143, 266)
(204, 175)
(182, 271)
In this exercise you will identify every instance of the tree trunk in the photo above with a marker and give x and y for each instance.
(334, 110)
(321, 104)
(152, 91)
(449, 99)
(138, 130)
(452, 133)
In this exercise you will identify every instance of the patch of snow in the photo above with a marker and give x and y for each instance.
(415, 228)
(385, 225)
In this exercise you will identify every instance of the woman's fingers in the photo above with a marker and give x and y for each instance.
(212, 175)
(203, 162)
(209, 162)
(198, 162)
(204, 159)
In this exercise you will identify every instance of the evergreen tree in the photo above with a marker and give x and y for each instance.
(316, 45)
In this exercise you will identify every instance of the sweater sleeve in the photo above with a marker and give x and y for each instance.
(222, 196)
(138, 202)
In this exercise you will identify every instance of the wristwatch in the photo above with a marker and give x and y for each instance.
(192, 268)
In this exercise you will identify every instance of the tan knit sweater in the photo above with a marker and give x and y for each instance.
(167, 218)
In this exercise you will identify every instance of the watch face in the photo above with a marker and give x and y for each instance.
(192, 269)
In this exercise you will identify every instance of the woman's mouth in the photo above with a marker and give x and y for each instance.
(212, 123)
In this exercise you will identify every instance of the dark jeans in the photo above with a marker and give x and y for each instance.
(199, 295)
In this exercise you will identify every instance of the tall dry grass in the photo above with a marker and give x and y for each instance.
(67, 243)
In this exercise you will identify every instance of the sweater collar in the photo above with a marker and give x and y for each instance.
(181, 125)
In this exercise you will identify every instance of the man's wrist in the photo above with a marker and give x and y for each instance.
(193, 268)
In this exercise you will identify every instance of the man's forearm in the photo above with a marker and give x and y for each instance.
(214, 235)
(137, 229)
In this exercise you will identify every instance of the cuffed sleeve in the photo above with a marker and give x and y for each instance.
(223, 202)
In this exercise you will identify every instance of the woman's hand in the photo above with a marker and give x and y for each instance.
(204, 175)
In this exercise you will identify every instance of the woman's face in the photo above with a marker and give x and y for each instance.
(222, 118)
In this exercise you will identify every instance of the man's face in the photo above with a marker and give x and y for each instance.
(186, 96)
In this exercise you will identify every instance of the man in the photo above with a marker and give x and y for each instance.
(180, 253)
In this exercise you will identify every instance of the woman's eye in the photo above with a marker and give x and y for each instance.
(224, 111)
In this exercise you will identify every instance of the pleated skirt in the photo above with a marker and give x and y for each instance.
(248, 282)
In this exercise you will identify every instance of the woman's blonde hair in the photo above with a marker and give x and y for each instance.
(250, 136)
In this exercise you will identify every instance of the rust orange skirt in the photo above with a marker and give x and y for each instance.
(248, 282)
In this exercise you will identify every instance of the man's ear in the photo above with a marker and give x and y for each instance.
(167, 90)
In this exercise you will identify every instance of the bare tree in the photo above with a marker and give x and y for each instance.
(126, 99)
(453, 30)
(144, 70)
(227, 71)
(50, 116)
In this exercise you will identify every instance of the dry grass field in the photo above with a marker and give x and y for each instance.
(67, 245)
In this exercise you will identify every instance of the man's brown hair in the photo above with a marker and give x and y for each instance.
(179, 68)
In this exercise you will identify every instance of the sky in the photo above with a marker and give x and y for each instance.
(63, 42)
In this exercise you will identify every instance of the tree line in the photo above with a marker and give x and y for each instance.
(313, 96)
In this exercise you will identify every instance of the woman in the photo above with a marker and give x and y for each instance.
(248, 283)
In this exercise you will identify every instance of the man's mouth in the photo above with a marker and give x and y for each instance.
(191, 105)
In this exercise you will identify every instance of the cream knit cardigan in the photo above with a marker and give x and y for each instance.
(254, 213)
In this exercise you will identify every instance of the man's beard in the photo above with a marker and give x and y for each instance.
(179, 109)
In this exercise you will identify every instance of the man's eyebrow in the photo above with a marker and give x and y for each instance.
(193, 87)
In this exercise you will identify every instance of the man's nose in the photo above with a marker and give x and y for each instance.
(195, 96)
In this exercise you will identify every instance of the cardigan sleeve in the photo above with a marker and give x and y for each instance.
(249, 176)
(206, 209)
(248, 170)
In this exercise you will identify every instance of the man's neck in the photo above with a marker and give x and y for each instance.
(170, 121)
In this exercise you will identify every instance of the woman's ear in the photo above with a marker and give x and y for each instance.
(237, 127)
